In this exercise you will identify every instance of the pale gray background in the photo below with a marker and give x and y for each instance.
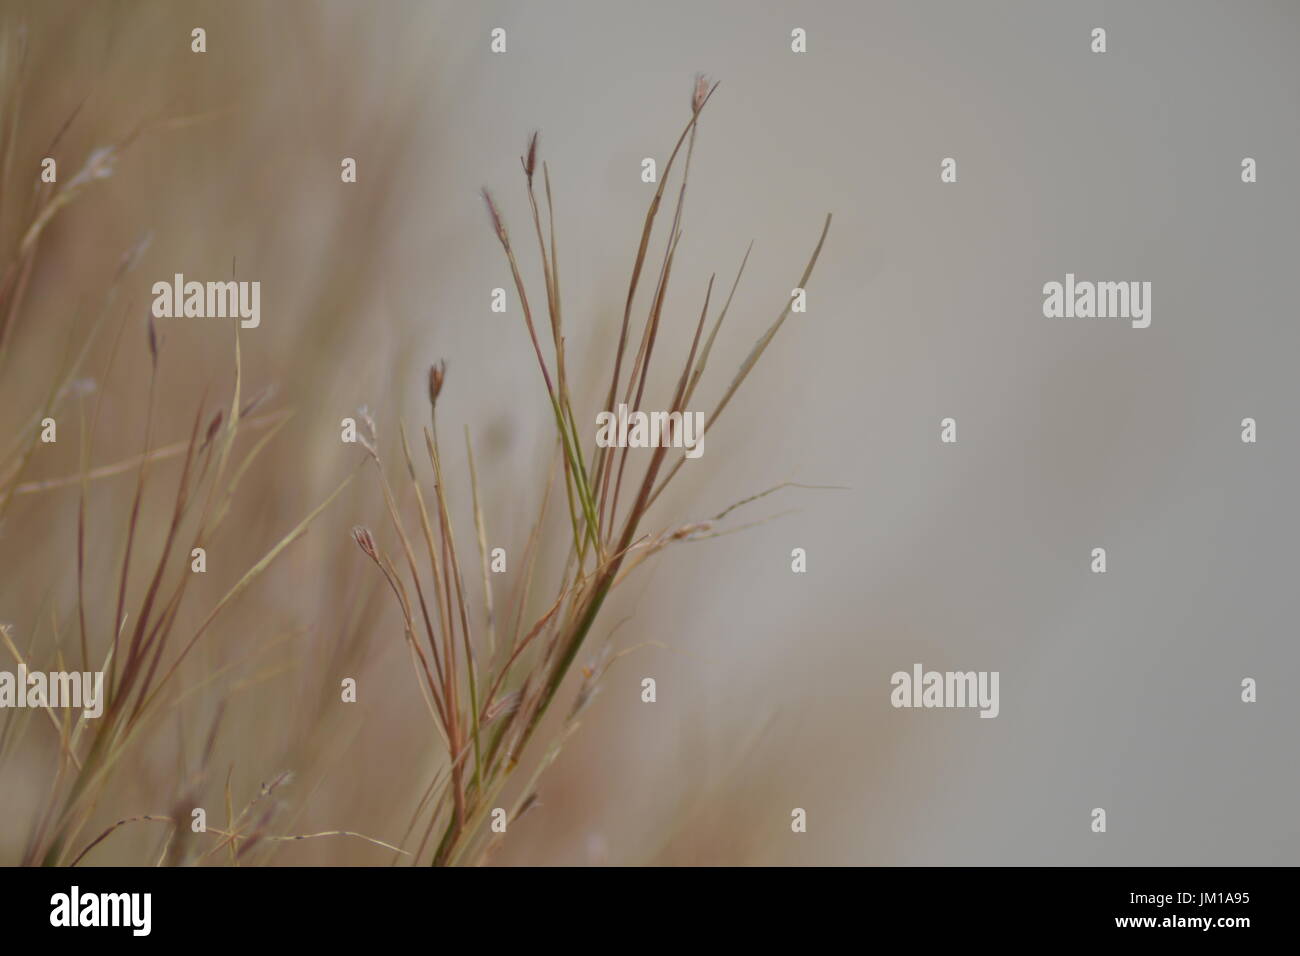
(1120, 691)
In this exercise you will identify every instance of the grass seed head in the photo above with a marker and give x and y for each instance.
(530, 158)
(497, 224)
(700, 93)
(437, 375)
(366, 541)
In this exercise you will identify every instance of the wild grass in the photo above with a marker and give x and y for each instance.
(488, 680)
(142, 651)
(145, 650)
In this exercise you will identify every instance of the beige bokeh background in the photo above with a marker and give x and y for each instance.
(1119, 691)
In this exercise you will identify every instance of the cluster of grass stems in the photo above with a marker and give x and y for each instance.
(487, 679)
